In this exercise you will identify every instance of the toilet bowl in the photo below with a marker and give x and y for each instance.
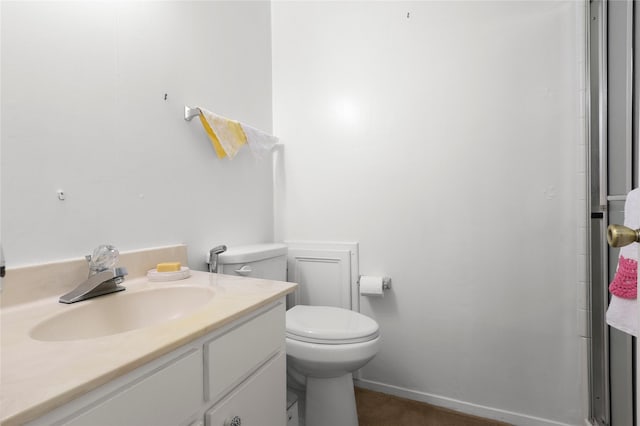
(325, 345)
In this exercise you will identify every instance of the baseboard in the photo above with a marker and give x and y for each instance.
(454, 404)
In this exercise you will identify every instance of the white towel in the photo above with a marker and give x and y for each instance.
(623, 309)
(259, 142)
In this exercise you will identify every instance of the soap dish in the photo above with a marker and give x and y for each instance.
(183, 273)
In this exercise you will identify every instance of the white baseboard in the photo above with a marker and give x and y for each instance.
(461, 406)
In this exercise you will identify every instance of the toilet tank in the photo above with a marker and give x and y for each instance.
(268, 261)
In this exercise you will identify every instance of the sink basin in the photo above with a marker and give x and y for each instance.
(120, 312)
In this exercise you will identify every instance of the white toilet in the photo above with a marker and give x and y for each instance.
(324, 344)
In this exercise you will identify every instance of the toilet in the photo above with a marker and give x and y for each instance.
(324, 344)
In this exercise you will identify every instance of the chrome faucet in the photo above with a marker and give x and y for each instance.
(213, 257)
(103, 278)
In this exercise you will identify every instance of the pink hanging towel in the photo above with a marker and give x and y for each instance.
(623, 307)
(625, 283)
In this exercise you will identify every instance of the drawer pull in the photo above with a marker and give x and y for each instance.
(235, 421)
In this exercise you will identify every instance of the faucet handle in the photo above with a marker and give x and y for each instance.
(104, 257)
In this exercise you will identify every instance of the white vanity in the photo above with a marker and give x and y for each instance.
(221, 364)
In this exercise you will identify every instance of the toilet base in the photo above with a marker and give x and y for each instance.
(331, 401)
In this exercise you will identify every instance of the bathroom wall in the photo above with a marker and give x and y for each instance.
(445, 137)
(440, 135)
(92, 104)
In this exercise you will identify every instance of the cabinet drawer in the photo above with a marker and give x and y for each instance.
(259, 401)
(229, 358)
(165, 397)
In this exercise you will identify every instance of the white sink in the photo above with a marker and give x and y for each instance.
(120, 312)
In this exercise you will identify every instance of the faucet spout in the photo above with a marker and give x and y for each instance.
(103, 282)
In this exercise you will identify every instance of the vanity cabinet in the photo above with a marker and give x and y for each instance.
(237, 371)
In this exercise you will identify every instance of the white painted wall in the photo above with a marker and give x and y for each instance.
(83, 110)
(442, 136)
(443, 142)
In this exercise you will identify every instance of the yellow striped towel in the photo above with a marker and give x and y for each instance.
(226, 135)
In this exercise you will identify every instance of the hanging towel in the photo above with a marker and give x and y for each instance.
(259, 142)
(228, 136)
(623, 307)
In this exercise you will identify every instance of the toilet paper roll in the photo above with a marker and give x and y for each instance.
(371, 286)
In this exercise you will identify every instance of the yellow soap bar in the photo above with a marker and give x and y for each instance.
(168, 267)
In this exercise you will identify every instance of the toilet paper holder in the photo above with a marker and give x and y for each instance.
(386, 282)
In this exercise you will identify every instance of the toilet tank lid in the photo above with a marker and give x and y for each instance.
(252, 253)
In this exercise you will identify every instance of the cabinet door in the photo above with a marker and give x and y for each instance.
(258, 401)
(232, 357)
(166, 397)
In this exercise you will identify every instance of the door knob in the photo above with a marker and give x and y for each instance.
(620, 236)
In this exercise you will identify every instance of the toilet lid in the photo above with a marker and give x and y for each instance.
(329, 325)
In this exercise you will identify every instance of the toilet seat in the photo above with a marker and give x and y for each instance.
(329, 325)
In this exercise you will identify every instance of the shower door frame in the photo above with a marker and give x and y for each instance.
(613, 136)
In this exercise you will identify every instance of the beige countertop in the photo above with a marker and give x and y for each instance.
(38, 376)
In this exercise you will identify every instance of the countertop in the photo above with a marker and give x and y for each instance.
(38, 376)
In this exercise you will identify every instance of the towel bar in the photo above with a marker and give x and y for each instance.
(189, 112)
